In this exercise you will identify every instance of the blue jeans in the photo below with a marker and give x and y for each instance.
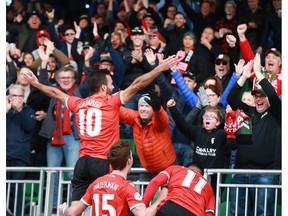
(131, 104)
(233, 158)
(55, 156)
(183, 153)
(263, 179)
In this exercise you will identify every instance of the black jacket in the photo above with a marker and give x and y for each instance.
(265, 151)
(210, 149)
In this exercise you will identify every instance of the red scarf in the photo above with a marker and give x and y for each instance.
(62, 121)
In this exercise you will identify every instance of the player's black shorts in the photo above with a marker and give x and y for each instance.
(86, 170)
(171, 208)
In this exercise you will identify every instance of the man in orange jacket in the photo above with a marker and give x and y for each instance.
(151, 134)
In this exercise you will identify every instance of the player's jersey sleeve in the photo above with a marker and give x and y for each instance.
(87, 199)
(210, 199)
(133, 197)
(153, 186)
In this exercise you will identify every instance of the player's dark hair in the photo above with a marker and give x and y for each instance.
(196, 167)
(98, 79)
(119, 154)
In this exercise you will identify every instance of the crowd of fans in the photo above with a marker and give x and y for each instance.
(228, 74)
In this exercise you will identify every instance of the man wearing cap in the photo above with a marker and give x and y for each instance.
(71, 46)
(136, 64)
(86, 28)
(115, 66)
(41, 37)
(265, 150)
(151, 133)
(25, 32)
(56, 58)
(273, 61)
(156, 43)
(222, 69)
(149, 20)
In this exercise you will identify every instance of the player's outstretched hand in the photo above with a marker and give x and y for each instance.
(167, 63)
(29, 76)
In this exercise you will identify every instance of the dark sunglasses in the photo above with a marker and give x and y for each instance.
(219, 62)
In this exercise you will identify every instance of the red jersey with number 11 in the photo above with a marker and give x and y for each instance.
(97, 119)
(189, 189)
(112, 195)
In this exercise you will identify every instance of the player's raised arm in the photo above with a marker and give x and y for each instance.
(144, 80)
(48, 90)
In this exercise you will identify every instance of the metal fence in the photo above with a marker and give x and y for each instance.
(38, 186)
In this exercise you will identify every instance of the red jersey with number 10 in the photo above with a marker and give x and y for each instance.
(112, 195)
(97, 119)
(190, 190)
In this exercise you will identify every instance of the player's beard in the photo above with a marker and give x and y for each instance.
(109, 91)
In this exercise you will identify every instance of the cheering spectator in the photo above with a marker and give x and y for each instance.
(273, 62)
(25, 32)
(265, 150)
(151, 133)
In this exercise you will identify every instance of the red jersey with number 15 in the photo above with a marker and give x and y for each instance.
(112, 195)
(190, 190)
(97, 119)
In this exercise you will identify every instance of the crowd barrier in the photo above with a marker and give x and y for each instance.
(38, 186)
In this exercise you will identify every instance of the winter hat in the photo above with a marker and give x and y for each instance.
(231, 2)
(141, 100)
(190, 34)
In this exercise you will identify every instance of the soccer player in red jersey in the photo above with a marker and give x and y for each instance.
(97, 119)
(112, 194)
(189, 193)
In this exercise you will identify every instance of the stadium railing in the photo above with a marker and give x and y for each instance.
(38, 187)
